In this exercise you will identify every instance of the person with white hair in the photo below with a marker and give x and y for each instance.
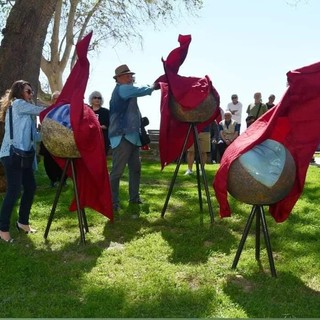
(96, 101)
(229, 130)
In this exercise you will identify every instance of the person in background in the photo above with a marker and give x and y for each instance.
(255, 109)
(270, 102)
(96, 102)
(235, 107)
(124, 129)
(205, 147)
(53, 171)
(24, 137)
(54, 97)
(214, 136)
(229, 131)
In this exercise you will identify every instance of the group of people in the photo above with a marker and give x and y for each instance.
(215, 138)
(121, 127)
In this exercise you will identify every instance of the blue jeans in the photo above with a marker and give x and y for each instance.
(15, 179)
(125, 153)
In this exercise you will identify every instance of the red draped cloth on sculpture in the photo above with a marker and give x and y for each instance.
(92, 174)
(189, 92)
(294, 122)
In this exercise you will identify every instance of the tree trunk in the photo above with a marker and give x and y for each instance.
(21, 46)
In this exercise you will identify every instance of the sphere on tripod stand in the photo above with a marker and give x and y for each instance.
(263, 175)
(201, 113)
(57, 134)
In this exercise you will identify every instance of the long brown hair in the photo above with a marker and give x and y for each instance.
(15, 92)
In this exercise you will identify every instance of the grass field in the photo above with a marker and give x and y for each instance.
(145, 266)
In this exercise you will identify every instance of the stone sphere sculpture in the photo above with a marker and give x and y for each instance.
(57, 134)
(263, 175)
(201, 113)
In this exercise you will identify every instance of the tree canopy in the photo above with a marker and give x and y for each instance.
(23, 38)
(113, 22)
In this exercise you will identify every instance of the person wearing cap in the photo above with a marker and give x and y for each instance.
(124, 133)
(229, 130)
(235, 107)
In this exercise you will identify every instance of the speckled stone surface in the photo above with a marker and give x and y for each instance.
(243, 187)
(58, 139)
(201, 113)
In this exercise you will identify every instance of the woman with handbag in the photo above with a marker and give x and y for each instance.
(17, 155)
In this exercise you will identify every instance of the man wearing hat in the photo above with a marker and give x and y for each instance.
(124, 132)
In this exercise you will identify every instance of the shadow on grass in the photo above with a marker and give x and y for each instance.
(264, 297)
(192, 240)
(168, 303)
(44, 275)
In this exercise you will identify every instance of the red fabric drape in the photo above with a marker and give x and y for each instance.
(294, 122)
(189, 92)
(92, 174)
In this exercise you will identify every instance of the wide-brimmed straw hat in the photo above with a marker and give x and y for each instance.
(123, 69)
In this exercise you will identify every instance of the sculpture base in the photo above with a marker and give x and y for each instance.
(257, 211)
(198, 157)
(83, 225)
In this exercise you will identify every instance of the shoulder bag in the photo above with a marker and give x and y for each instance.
(144, 137)
(251, 119)
(19, 159)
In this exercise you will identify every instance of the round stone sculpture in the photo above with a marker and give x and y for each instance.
(201, 113)
(57, 134)
(263, 175)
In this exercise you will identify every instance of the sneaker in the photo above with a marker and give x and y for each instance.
(188, 172)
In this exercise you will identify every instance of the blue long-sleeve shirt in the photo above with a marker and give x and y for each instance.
(24, 128)
(125, 117)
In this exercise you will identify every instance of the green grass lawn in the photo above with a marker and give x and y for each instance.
(146, 266)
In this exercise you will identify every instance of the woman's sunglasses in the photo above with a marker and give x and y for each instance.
(28, 91)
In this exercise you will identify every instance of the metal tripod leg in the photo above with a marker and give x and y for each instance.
(267, 241)
(243, 238)
(55, 201)
(260, 220)
(83, 225)
(81, 214)
(192, 127)
(198, 156)
(175, 174)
